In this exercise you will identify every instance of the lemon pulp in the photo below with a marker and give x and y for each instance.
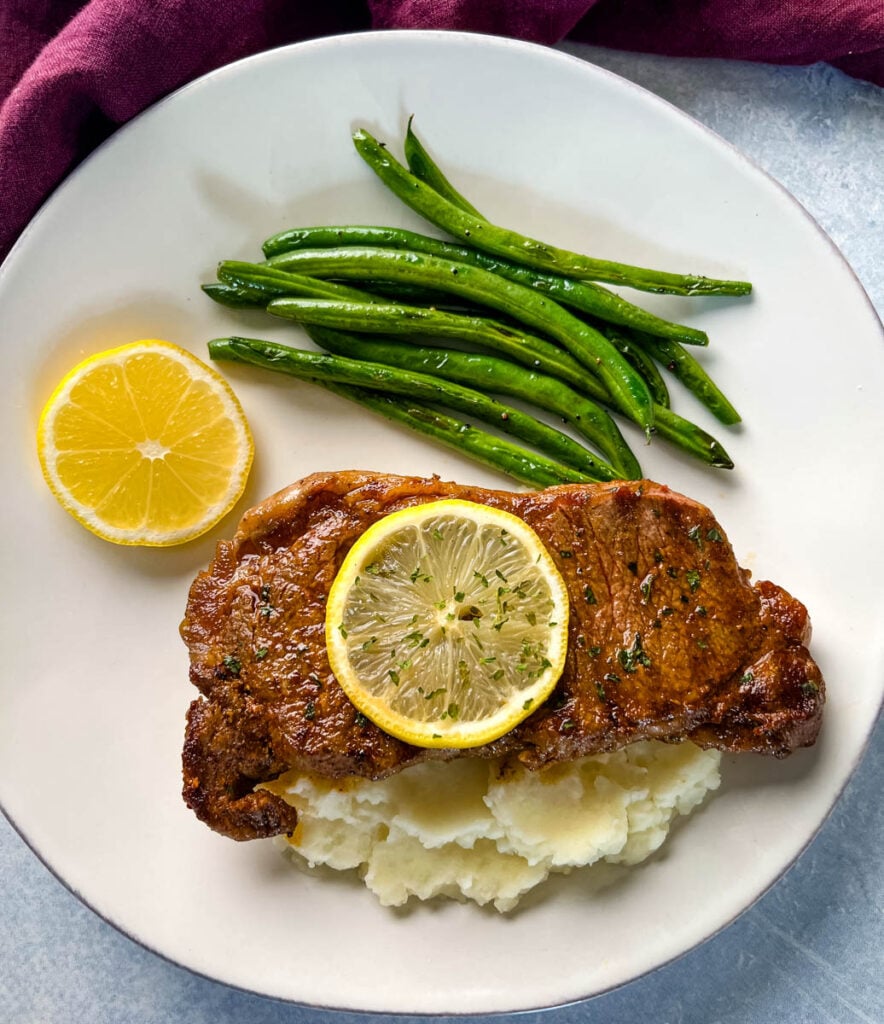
(145, 444)
(447, 623)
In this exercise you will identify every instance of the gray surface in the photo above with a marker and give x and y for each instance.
(810, 950)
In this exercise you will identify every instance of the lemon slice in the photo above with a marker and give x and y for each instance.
(144, 444)
(447, 623)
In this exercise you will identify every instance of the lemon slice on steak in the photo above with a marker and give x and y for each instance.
(447, 623)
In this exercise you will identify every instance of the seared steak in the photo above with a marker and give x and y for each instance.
(668, 640)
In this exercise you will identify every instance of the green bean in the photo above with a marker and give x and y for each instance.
(497, 376)
(690, 438)
(333, 236)
(582, 295)
(686, 369)
(481, 447)
(642, 362)
(423, 166)
(422, 388)
(261, 283)
(235, 297)
(587, 345)
(274, 283)
(416, 296)
(520, 248)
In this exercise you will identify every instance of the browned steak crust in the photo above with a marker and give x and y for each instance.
(668, 640)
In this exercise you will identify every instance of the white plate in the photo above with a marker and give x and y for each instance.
(94, 686)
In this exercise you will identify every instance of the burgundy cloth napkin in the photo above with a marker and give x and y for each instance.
(71, 71)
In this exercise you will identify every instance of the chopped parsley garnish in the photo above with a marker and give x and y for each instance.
(266, 608)
(631, 658)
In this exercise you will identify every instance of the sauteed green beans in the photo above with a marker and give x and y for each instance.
(515, 318)
(587, 345)
(320, 366)
(498, 376)
(520, 248)
(584, 296)
(482, 447)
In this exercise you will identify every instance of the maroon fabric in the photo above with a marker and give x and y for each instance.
(848, 33)
(71, 71)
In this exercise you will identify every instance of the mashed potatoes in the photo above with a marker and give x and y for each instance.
(467, 829)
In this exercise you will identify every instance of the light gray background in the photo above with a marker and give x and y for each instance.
(810, 951)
